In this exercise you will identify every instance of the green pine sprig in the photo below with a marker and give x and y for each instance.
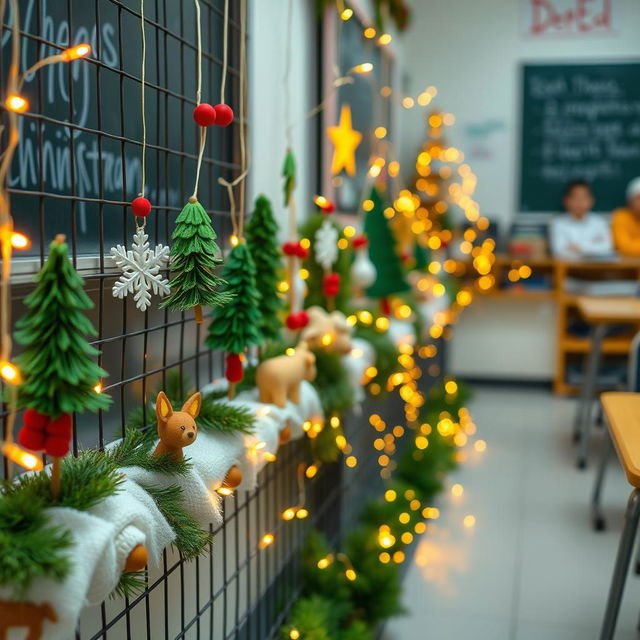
(222, 417)
(131, 583)
(190, 540)
(30, 548)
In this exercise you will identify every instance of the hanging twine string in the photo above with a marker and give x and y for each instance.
(237, 218)
(225, 52)
(203, 130)
(143, 179)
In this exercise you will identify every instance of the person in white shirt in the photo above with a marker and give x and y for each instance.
(579, 233)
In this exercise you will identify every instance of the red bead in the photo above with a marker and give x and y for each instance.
(301, 252)
(360, 241)
(141, 207)
(331, 285)
(35, 420)
(328, 208)
(234, 372)
(204, 114)
(385, 305)
(289, 248)
(56, 446)
(292, 321)
(303, 319)
(224, 115)
(61, 426)
(31, 439)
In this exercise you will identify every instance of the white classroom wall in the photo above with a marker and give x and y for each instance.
(471, 51)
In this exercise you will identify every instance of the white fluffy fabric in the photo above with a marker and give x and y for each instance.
(92, 547)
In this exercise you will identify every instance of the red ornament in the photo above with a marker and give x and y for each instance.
(224, 115)
(204, 114)
(296, 321)
(331, 285)
(301, 252)
(328, 208)
(31, 438)
(56, 446)
(61, 426)
(35, 420)
(234, 371)
(360, 241)
(385, 305)
(141, 207)
(290, 248)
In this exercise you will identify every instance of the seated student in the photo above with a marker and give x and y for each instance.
(625, 223)
(579, 233)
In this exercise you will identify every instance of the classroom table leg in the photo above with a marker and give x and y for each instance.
(583, 417)
(597, 518)
(625, 549)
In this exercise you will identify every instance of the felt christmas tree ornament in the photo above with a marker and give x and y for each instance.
(382, 252)
(59, 373)
(261, 235)
(236, 326)
(194, 257)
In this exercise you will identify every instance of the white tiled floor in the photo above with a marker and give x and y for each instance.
(531, 568)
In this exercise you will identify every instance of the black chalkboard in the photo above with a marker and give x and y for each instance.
(579, 121)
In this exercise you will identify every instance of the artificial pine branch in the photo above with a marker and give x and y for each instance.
(135, 450)
(190, 540)
(86, 481)
(222, 417)
(262, 240)
(130, 584)
(30, 548)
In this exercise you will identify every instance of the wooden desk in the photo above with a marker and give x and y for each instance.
(599, 313)
(622, 410)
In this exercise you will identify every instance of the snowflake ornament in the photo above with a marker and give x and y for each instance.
(141, 270)
(326, 247)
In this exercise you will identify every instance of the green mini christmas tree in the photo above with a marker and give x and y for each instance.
(262, 240)
(236, 326)
(382, 251)
(57, 364)
(194, 256)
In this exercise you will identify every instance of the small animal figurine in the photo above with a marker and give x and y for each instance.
(278, 379)
(28, 615)
(330, 331)
(176, 429)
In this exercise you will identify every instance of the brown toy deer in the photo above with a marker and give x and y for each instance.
(15, 615)
(176, 429)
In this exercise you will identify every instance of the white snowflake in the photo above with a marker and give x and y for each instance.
(141, 270)
(326, 247)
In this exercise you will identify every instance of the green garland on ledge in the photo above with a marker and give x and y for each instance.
(347, 594)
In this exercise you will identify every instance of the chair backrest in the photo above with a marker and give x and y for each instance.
(633, 381)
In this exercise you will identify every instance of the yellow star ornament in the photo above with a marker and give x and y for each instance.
(345, 142)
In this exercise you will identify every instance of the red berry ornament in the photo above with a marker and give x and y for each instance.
(360, 241)
(224, 115)
(331, 285)
(56, 446)
(204, 114)
(31, 439)
(141, 207)
(233, 371)
(35, 420)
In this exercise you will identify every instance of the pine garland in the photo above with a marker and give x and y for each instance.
(262, 240)
(386, 351)
(130, 584)
(57, 363)
(30, 548)
(194, 257)
(86, 481)
(332, 383)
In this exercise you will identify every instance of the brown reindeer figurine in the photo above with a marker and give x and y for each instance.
(176, 429)
(14, 615)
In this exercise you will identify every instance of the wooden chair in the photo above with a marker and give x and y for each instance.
(622, 411)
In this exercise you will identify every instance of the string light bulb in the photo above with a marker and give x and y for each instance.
(20, 241)
(16, 103)
(384, 39)
(10, 373)
(266, 540)
(81, 50)
(294, 634)
(16, 454)
(362, 69)
(346, 14)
